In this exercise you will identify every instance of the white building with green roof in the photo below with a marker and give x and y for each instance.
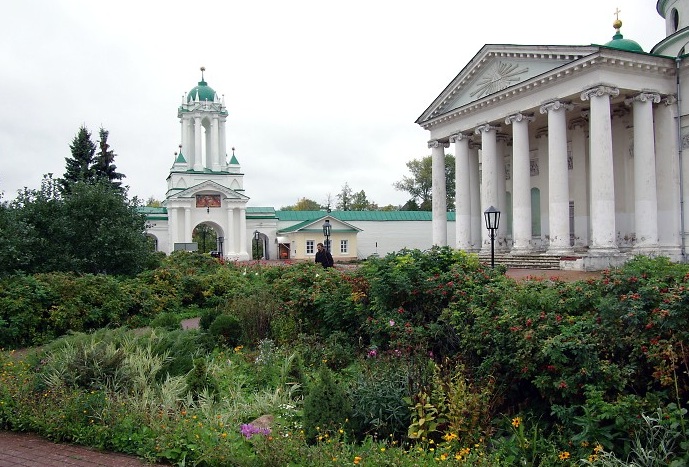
(579, 146)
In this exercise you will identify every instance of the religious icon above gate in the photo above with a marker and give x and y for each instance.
(208, 201)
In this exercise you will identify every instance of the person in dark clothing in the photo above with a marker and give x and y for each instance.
(324, 257)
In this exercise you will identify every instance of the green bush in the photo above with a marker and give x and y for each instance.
(226, 330)
(326, 407)
(165, 320)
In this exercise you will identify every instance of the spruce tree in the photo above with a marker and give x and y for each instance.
(79, 165)
(104, 168)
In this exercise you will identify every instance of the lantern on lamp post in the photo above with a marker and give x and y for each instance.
(492, 217)
(326, 232)
(257, 236)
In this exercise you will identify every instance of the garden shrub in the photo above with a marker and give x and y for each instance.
(180, 348)
(207, 317)
(326, 407)
(226, 330)
(255, 314)
(200, 381)
(378, 395)
(166, 320)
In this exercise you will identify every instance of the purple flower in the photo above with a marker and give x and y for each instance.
(248, 430)
(372, 353)
(392, 322)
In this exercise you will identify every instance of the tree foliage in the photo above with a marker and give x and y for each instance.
(78, 167)
(344, 198)
(93, 228)
(85, 165)
(420, 184)
(104, 167)
(303, 204)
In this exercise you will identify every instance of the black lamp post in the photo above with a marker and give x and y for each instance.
(257, 235)
(220, 240)
(326, 232)
(492, 217)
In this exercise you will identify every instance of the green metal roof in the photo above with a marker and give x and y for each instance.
(180, 159)
(234, 160)
(376, 216)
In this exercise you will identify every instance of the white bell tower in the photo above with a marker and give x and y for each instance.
(203, 187)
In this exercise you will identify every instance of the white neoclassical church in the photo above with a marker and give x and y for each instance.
(581, 148)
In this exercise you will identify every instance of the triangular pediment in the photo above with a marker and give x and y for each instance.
(208, 187)
(316, 225)
(498, 67)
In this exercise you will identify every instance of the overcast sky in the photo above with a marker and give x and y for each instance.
(319, 93)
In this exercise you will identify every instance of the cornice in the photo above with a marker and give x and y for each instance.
(604, 58)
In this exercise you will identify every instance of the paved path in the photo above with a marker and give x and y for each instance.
(29, 450)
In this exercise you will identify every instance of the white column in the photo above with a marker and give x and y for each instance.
(558, 177)
(500, 148)
(223, 143)
(244, 254)
(489, 174)
(521, 182)
(439, 191)
(173, 228)
(215, 153)
(645, 194)
(187, 225)
(462, 191)
(230, 234)
(603, 238)
(475, 187)
(580, 183)
(667, 175)
(186, 142)
(198, 149)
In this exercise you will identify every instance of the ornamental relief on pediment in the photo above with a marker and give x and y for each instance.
(502, 75)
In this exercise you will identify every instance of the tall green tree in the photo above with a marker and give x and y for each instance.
(420, 184)
(361, 203)
(104, 167)
(344, 198)
(79, 166)
(92, 229)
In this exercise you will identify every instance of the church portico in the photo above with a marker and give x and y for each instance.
(573, 168)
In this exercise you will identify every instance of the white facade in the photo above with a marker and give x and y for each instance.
(579, 147)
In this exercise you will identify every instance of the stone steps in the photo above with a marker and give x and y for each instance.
(533, 261)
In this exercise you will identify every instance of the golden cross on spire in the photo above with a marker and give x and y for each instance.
(617, 13)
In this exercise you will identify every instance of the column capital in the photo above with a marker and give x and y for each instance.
(486, 128)
(460, 137)
(643, 96)
(556, 105)
(670, 99)
(434, 143)
(599, 91)
(519, 117)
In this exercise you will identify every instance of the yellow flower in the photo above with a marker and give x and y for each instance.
(564, 455)
(598, 448)
(516, 421)
(382, 449)
(357, 459)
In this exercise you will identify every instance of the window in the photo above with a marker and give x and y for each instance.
(344, 247)
(309, 247)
